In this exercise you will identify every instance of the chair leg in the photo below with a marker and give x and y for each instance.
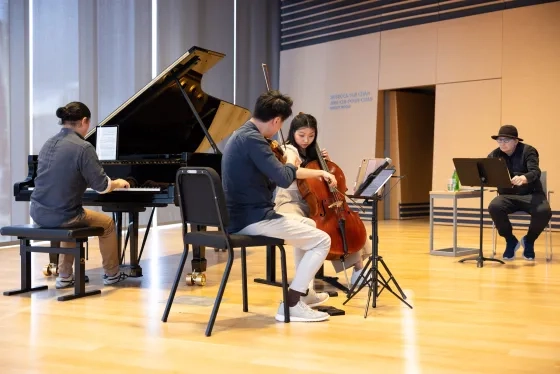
(176, 283)
(79, 275)
(493, 240)
(548, 245)
(244, 278)
(220, 293)
(25, 268)
(284, 283)
(551, 247)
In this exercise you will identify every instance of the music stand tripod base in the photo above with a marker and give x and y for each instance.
(482, 172)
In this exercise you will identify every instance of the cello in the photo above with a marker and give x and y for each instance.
(328, 207)
(330, 211)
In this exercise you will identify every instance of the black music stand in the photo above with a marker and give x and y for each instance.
(370, 274)
(482, 172)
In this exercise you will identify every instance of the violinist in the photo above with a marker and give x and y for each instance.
(250, 173)
(302, 137)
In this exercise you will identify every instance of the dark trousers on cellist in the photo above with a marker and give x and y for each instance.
(535, 204)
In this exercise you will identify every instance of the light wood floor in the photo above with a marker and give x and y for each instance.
(496, 319)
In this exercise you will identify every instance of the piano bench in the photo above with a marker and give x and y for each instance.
(77, 235)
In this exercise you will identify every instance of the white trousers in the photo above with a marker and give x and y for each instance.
(311, 245)
(289, 203)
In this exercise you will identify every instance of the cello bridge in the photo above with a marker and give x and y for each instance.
(336, 204)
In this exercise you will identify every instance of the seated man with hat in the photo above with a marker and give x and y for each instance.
(526, 194)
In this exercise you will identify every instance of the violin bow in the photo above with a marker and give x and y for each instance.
(267, 81)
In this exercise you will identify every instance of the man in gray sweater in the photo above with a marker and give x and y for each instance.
(68, 165)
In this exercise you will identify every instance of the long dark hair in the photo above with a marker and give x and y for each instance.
(72, 112)
(304, 121)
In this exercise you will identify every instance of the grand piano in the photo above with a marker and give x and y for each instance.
(170, 123)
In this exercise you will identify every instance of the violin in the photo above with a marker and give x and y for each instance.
(329, 210)
(277, 150)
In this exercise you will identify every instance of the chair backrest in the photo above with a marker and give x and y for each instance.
(201, 197)
(543, 181)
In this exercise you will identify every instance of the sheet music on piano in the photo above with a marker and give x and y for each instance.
(107, 140)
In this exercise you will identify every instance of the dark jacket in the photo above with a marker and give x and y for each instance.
(523, 161)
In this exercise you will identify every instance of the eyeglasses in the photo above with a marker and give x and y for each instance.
(504, 140)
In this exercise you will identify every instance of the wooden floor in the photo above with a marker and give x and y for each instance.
(495, 319)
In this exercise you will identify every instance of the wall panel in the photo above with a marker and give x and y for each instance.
(408, 57)
(531, 77)
(469, 48)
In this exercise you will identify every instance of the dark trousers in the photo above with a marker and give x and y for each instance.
(536, 205)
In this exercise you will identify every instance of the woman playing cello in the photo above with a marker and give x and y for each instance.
(302, 138)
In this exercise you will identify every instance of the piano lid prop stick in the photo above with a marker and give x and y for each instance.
(195, 112)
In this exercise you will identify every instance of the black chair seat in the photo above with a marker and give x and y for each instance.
(37, 232)
(216, 239)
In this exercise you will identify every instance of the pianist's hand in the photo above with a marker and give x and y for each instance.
(120, 183)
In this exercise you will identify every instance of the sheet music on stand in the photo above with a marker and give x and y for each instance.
(106, 143)
(377, 183)
(367, 166)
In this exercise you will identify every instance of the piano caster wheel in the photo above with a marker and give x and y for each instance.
(50, 269)
(196, 278)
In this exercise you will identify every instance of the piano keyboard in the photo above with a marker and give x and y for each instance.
(150, 189)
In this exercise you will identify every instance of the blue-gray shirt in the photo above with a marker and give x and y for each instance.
(68, 165)
(250, 173)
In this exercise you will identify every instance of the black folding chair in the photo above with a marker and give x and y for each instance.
(202, 202)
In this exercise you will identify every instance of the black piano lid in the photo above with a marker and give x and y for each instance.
(158, 120)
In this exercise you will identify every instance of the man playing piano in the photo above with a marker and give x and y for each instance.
(250, 173)
(68, 165)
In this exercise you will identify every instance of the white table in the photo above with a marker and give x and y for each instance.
(453, 251)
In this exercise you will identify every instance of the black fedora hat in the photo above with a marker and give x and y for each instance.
(507, 131)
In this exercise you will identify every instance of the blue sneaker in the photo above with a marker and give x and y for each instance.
(511, 247)
(528, 249)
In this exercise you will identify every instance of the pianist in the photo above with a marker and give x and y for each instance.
(68, 165)
(250, 172)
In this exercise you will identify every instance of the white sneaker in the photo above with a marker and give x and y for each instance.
(112, 279)
(355, 275)
(62, 282)
(314, 299)
(301, 313)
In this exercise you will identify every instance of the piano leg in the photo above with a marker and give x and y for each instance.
(198, 262)
(52, 267)
(117, 217)
(135, 269)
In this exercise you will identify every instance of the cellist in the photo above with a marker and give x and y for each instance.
(302, 137)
